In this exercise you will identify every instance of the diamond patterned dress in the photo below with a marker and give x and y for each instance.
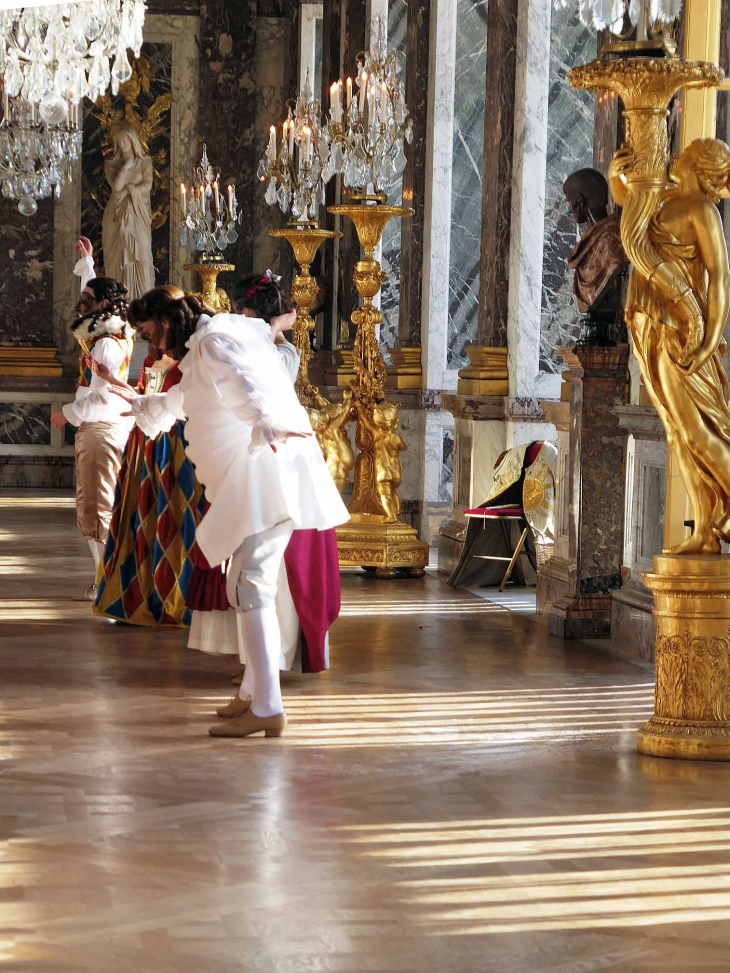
(151, 550)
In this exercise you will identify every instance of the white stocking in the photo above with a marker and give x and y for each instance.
(262, 638)
(97, 552)
(246, 689)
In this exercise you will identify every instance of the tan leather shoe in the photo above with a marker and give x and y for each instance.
(234, 708)
(248, 723)
(237, 680)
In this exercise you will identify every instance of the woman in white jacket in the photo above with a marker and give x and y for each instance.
(263, 473)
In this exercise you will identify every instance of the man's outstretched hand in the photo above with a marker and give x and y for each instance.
(292, 435)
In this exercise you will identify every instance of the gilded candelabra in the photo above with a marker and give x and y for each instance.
(305, 241)
(374, 538)
(367, 138)
(210, 218)
(676, 310)
(297, 168)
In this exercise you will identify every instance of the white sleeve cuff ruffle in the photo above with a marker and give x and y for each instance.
(151, 414)
(264, 433)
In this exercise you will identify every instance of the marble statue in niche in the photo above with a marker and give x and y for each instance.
(598, 261)
(127, 224)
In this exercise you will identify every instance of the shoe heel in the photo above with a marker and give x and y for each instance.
(273, 733)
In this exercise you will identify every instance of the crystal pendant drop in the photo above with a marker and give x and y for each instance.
(271, 193)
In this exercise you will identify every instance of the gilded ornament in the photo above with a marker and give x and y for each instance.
(676, 309)
(305, 241)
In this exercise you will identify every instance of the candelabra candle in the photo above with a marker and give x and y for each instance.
(183, 193)
(349, 94)
(363, 91)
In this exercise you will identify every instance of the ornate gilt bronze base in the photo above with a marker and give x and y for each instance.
(691, 718)
(211, 294)
(382, 548)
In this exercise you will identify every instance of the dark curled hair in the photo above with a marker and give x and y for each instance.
(109, 290)
(263, 294)
(181, 311)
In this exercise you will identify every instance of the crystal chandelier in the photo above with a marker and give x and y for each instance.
(367, 137)
(210, 215)
(36, 157)
(613, 14)
(298, 170)
(51, 57)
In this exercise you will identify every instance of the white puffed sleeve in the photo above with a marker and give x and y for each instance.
(236, 381)
(158, 412)
(95, 403)
(290, 358)
(84, 268)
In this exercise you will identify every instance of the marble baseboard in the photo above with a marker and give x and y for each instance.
(553, 584)
(633, 629)
(581, 617)
(36, 472)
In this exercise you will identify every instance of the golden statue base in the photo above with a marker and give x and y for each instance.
(212, 295)
(382, 549)
(692, 703)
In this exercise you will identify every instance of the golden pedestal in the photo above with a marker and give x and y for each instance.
(374, 538)
(214, 296)
(305, 240)
(486, 373)
(691, 718)
(406, 371)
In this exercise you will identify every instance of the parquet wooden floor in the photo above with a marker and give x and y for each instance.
(460, 793)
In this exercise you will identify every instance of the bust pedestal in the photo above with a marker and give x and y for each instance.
(594, 491)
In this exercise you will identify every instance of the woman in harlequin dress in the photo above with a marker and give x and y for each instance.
(151, 551)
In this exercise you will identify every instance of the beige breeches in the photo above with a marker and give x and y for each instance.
(99, 447)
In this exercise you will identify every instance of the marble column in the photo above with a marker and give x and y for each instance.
(406, 370)
(486, 373)
(228, 110)
(595, 492)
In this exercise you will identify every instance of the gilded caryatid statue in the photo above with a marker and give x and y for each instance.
(387, 447)
(328, 421)
(677, 306)
(598, 261)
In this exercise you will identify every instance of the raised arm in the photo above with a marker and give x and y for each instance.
(622, 162)
(237, 378)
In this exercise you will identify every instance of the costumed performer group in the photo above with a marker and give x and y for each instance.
(251, 565)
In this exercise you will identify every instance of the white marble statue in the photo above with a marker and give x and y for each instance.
(127, 224)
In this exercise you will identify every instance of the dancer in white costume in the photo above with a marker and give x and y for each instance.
(105, 338)
(220, 632)
(262, 470)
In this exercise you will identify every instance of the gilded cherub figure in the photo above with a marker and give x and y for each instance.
(677, 306)
(387, 447)
(328, 421)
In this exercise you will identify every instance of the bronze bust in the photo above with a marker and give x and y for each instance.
(598, 261)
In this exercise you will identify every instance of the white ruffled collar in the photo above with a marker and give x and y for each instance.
(91, 328)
